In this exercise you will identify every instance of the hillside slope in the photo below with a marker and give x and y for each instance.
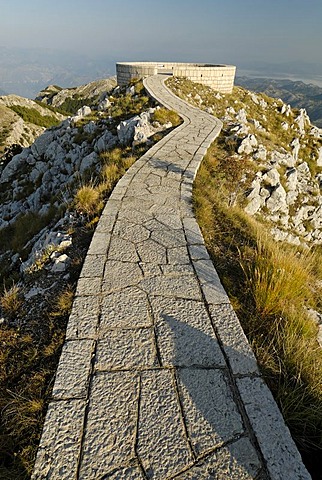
(51, 195)
(23, 120)
(262, 176)
(70, 99)
(298, 94)
(283, 177)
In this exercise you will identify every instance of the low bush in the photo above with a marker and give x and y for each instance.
(32, 115)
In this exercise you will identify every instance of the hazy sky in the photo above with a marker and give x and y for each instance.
(223, 31)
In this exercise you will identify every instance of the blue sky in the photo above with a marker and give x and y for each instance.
(225, 31)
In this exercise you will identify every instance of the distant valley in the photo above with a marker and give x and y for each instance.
(25, 72)
(298, 94)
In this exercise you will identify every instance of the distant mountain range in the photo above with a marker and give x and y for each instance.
(25, 72)
(298, 94)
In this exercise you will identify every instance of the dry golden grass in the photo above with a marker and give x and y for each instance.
(277, 277)
(270, 286)
(163, 115)
(87, 200)
(11, 301)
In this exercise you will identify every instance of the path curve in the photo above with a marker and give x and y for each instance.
(156, 379)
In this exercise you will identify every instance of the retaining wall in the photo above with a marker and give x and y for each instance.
(218, 77)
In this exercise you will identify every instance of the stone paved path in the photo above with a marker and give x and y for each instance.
(156, 378)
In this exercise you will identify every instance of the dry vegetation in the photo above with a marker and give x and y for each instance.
(271, 287)
(31, 337)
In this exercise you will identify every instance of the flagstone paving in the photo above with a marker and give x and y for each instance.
(156, 379)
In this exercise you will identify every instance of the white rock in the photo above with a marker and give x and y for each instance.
(286, 110)
(319, 159)
(277, 200)
(254, 98)
(12, 168)
(89, 161)
(241, 116)
(230, 111)
(295, 144)
(136, 129)
(247, 145)
(302, 214)
(258, 126)
(90, 128)
(261, 153)
(55, 152)
(130, 90)
(105, 142)
(302, 120)
(272, 178)
(40, 146)
(285, 159)
(254, 205)
(60, 263)
(317, 218)
(104, 104)
(84, 111)
(316, 132)
(291, 175)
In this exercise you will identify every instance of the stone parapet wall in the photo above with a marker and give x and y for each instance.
(218, 77)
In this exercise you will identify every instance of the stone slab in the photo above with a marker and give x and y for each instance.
(134, 233)
(162, 447)
(83, 320)
(169, 238)
(88, 286)
(93, 266)
(126, 473)
(281, 455)
(73, 371)
(176, 285)
(178, 256)
(185, 335)
(237, 461)
(111, 424)
(60, 444)
(122, 250)
(127, 349)
(120, 275)
(151, 251)
(211, 415)
(99, 244)
(128, 308)
(210, 283)
(240, 356)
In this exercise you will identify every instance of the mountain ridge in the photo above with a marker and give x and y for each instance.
(298, 94)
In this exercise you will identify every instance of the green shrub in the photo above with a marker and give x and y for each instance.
(32, 115)
(163, 115)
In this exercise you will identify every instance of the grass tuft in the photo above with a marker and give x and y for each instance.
(11, 301)
(277, 277)
(87, 200)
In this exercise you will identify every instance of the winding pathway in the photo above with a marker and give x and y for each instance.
(156, 378)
